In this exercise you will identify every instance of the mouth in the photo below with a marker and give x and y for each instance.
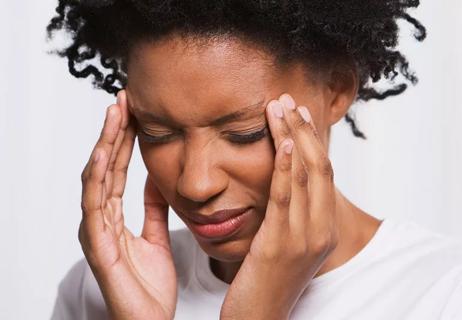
(227, 224)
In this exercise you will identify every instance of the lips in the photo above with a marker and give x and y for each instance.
(217, 217)
(234, 220)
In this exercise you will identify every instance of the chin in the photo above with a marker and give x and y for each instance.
(230, 251)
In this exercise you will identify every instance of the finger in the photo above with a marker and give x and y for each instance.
(108, 134)
(299, 206)
(155, 228)
(278, 128)
(104, 144)
(299, 213)
(92, 193)
(122, 103)
(277, 211)
(124, 115)
(314, 158)
(123, 160)
(107, 137)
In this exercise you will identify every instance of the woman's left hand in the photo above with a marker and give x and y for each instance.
(299, 230)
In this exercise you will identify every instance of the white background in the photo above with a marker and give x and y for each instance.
(409, 168)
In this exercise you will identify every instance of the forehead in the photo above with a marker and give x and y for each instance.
(223, 58)
(195, 83)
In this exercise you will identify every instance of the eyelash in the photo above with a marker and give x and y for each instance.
(239, 139)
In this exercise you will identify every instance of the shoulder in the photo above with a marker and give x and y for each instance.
(421, 248)
(413, 256)
(79, 296)
(406, 236)
(427, 258)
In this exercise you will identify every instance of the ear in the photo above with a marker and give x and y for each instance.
(343, 85)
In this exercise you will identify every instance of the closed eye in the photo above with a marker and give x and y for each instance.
(154, 139)
(248, 138)
(233, 137)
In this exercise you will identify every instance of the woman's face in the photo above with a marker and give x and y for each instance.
(202, 165)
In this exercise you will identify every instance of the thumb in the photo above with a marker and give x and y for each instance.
(155, 227)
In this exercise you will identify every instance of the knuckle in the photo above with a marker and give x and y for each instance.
(285, 166)
(320, 246)
(285, 130)
(83, 207)
(84, 175)
(325, 244)
(121, 169)
(282, 199)
(83, 237)
(301, 177)
(323, 166)
(111, 165)
(300, 123)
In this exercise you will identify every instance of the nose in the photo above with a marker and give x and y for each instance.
(201, 177)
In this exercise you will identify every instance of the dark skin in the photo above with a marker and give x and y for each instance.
(202, 170)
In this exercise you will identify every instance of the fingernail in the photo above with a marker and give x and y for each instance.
(287, 101)
(304, 113)
(276, 108)
(288, 146)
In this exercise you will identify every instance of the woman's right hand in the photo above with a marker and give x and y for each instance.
(136, 275)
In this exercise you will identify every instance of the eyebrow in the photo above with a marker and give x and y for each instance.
(245, 113)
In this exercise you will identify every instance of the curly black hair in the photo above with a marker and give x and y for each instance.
(363, 34)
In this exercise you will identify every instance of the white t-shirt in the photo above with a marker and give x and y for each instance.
(404, 272)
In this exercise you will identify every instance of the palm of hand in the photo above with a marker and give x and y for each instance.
(136, 275)
(148, 262)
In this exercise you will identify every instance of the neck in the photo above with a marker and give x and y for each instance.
(356, 229)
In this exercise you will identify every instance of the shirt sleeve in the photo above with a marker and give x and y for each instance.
(59, 309)
(69, 296)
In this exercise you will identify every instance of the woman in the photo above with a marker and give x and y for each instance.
(232, 102)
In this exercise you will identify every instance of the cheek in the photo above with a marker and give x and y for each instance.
(161, 164)
(252, 168)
